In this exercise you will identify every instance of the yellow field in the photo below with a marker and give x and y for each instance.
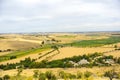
(66, 38)
(64, 53)
(74, 51)
(95, 70)
(25, 42)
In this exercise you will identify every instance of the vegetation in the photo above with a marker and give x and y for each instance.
(49, 75)
(6, 77)
(94, 43)
(23, 53)
(87, 74)
(89, 60)
(111, 74)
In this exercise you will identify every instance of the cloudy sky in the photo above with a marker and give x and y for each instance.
(59, 15)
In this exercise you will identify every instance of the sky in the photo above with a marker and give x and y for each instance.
(59, 15)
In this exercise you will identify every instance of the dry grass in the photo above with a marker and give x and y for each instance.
(67, 38)
(16, 45)
(4, 53)
(64, 53)
(114, 54)
(95, 70)
(32, 56)
(73, 51)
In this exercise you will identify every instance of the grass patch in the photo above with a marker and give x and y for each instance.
(94, 43)
(2, 37)
(18, 54)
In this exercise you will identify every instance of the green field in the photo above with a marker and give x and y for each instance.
(94, 43)
(18, 54)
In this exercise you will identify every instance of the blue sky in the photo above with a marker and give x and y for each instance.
(59, 15)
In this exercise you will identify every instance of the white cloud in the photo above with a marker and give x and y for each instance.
(51, 14)
(18, 18)
(29, 3)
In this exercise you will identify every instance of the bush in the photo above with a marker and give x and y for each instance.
(6, 77)
(1, 78)
(36, 74)
(87, 74)
(71, 76)
(0, 50)
(13, 57)
(50, 75)
(42, 76)
(79, 75)
(111, 74)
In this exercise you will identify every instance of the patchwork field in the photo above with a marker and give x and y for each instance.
(53, 52)
(96, 71)
(73, 51)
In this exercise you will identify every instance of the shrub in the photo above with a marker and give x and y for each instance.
(1, 78)
(13, 57)
(36, 74)
(42, 76)
(87, 74)
(50, 75)
(79, 75)
(111, 74)
(6, 77)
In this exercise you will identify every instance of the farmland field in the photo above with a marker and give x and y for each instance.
(57, 52)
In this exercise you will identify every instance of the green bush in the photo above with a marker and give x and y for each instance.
(42, 76)
(50, 75)
(6, 77)
(1, 78)
(87, 74)
(79, 75)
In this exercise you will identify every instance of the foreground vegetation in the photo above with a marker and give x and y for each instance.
(62, 75)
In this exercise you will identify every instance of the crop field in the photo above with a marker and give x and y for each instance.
(91, 54)
(18, 54)
(95, 43)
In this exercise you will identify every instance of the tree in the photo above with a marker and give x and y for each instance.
(55, 47)
(111, 74)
